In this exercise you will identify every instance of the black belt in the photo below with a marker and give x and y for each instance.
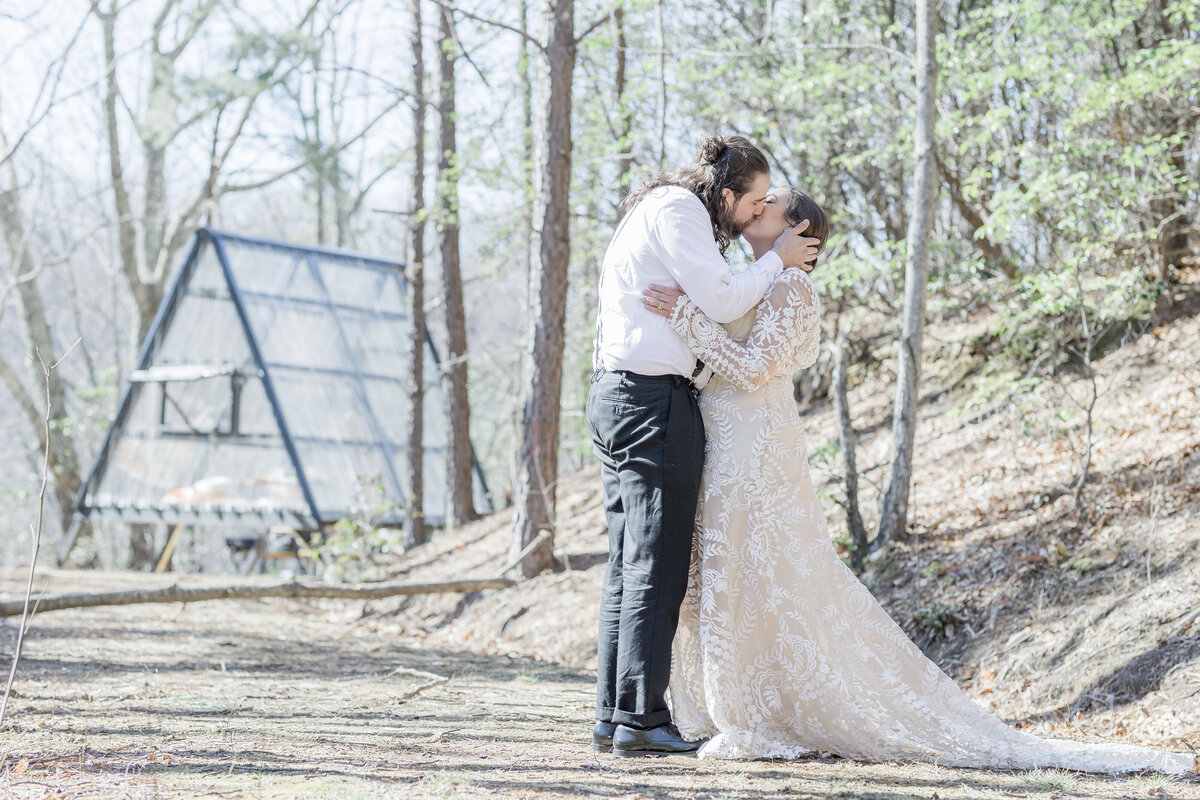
(678, 380)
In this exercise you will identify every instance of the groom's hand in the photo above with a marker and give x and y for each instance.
(795, 249)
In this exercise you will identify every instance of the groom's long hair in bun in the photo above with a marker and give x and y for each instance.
(723, 162)
(801, 207)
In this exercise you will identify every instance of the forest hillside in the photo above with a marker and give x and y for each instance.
(1065, 621)
(1056, 617)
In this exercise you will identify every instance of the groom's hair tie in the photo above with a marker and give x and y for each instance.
(712, 149)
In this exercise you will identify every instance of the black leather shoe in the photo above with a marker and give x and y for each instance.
(661, 741)
(602, 736)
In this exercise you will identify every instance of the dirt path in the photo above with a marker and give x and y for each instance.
(286, 699)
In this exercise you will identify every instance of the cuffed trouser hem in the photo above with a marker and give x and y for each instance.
(643, 721)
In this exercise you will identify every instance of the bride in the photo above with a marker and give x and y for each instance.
(780, 651)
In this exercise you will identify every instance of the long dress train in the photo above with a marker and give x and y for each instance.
(780, 650)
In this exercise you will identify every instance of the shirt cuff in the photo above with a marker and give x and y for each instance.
(770, 264)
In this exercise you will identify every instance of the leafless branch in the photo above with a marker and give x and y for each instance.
(178, 594)
(35, 530)
(1093, 395)
(495, 24)
(50, 84)
(590, 29)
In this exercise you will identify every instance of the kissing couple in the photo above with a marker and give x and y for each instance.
(719, 556)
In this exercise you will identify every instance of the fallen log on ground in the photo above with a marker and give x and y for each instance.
(294, 589)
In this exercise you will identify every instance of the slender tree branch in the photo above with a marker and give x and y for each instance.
(178, 594)
(590, 29)
(495, 24)
(52, 79)
(194, 23)
(35, 530)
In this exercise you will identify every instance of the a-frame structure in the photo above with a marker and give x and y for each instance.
(271, 390)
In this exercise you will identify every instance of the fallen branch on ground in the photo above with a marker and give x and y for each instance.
(294, 589)
(529, 548)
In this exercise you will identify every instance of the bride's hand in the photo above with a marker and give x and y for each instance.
(796, 250)
(661, 300)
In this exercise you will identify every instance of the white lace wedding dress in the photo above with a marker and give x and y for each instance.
(780, 650)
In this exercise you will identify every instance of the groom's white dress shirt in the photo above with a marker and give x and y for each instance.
(667, 239)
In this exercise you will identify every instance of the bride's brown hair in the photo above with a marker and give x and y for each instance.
(722, 162)
(801, 207)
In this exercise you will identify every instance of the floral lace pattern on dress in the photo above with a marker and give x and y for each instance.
(786, 334)
(780, 650)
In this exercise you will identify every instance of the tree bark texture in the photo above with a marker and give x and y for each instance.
(894, 515)
(143, 297)
(415, 271)
(624, 116)
(848, 440)
(537, 470)
(64, 462)
(661, 40)
(462, 459)
(525, 80)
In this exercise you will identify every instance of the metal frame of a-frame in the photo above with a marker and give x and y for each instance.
(313, 520)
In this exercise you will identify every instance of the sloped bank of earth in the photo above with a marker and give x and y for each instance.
(1068, 623)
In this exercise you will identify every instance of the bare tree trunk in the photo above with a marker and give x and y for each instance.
(149, 243)
(537, 471)
(462, 460)
(317, 149)
(1093, 393)
(893, 519)
(141, 536)
(662, 83)
(416, 290)
(64, 461)
(624, 117)
(526, 82)
(141, 545)
(147, 303)
(848, 439)
(1174, 221)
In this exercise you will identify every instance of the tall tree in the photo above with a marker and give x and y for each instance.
(525, 81)
(537, 467)
(624, 122)
(462, 459)
(894, 515)
(40, 341)
(333, 90)
(151, 236)
(415, 272)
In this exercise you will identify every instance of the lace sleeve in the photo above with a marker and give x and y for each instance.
(786, 334)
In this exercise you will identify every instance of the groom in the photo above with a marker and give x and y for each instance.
(645, 423)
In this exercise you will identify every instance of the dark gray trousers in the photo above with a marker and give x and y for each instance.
(649, 437)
